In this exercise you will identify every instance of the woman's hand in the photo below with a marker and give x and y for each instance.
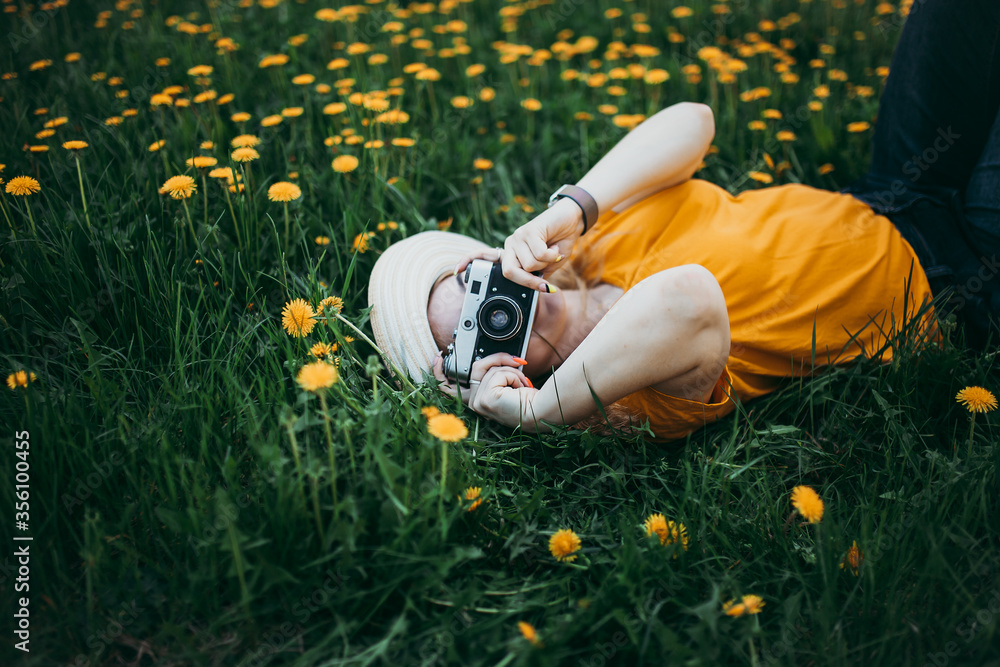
(498, 388)
(541, 244)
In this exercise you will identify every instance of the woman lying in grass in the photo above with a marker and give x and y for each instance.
(692, 297)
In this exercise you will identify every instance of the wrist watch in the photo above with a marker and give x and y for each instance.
(582, 198)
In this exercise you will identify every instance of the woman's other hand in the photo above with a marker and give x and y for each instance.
(494, 388)
(541, 244)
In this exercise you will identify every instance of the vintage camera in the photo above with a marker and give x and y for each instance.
(497, 315)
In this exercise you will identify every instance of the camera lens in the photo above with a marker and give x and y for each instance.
(500, 318)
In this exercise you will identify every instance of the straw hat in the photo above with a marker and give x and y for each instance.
(399, 289)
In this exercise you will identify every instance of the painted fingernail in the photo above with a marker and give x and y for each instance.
(559, 258)
(520, 360)
(551, 289)
(528, 380)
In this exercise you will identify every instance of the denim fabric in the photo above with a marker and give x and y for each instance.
(935, 169)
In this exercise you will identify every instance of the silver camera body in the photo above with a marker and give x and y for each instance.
(497, 316)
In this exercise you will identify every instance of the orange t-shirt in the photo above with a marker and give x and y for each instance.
(788, 258)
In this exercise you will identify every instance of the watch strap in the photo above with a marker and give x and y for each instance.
(582, 198)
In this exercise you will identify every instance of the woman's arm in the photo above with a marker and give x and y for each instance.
(662, 151)
(669, 332)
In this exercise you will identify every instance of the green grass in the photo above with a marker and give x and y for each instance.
(180, 495)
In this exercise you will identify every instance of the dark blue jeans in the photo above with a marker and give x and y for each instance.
(935, 169)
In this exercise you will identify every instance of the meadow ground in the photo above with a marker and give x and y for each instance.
(189, 503)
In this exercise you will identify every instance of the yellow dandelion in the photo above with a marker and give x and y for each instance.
(75, 145)
(244, 141)
(22, 186)
(223, 172)
(669, 532)
(202, 162)
(334, 108)
(749, 604)
(656, 76)
(38, 149)
(157, 145)
(317, 375)
(853, 558)
(825, 168)
(298, 318)
(563, 545)
(472, 493)
(529, 633)
(808, 503)
(292, 112)
(345, 163)
(428, 74)
(334, 303)
(974, 399)
(245, 154)
(482, 164)
(429, 411)
(303, 79)
(321, 349)
(859, 126)
(19, 379)
(785, 135)
(322, 240)
(179, 187)
(447, 427)
(200, 70)
(760, 177)
(284, 191)
(240, 117)
(271, 121)
(404, 142)
(531, 104)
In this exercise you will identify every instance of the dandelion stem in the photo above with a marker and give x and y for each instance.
(86, 213)
(236, 223)
(444, 465)
(972, 430)
(298, 465)
(9, 223)
(333, 460)
(286, 228)
(187, 212)
(204, 192)
(31, 219)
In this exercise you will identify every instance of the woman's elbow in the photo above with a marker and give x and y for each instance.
(703, 117)
(707, 318)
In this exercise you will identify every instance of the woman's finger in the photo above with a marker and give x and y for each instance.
(489, 254)
(498, 360)
(513, 271)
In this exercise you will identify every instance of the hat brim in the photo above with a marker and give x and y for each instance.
(399, 290)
